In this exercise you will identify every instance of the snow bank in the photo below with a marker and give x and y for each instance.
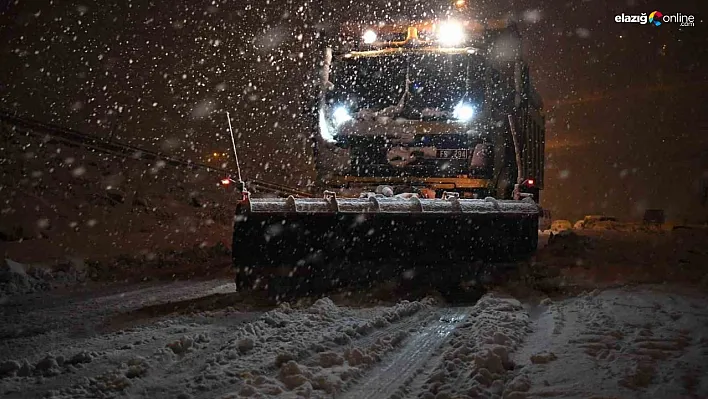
(627, 227)
(18, 278)
(21, 278)
(560, 225)
(568, 243)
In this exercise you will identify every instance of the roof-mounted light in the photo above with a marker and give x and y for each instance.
(451, 33)
(369, 37)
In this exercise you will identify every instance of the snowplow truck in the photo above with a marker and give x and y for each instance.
(428, 142)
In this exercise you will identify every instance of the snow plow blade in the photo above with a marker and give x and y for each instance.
(368, 238)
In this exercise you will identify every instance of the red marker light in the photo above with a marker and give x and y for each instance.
(226, 181)
(530, 182)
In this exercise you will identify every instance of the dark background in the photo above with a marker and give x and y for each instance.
(626, 103)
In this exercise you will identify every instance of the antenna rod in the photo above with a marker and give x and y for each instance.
(233, 142)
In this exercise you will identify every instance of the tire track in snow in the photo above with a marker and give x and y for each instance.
(406, 323)
(390, 377)
(475, 360)
(308, 351)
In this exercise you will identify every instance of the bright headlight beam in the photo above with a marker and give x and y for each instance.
(340, 115)
(451, 34)
(369, 37)
(463, 112)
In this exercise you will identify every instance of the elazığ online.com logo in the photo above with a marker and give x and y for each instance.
(656, 18)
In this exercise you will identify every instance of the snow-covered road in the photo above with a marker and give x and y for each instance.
(632, 342)
(55, 319)
(200, 340)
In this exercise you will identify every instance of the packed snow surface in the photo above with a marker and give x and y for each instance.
(641, 342)
(637, 342)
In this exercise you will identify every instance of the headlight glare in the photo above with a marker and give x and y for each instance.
(340, 115)
(463, 112)
(451, 34)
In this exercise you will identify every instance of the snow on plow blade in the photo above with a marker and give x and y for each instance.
(290, 236)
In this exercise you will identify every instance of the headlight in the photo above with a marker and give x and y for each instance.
(463, 112)
(451, 33)
(369, 37)
(340, 115)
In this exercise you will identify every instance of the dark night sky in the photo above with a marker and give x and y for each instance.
(626, 103)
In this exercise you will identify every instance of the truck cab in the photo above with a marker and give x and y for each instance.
(440, 104)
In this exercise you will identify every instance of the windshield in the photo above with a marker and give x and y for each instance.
(368, 83)
(436, 82)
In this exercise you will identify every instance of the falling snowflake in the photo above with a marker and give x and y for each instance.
(77, 172)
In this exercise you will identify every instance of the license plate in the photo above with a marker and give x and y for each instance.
(455, 153)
